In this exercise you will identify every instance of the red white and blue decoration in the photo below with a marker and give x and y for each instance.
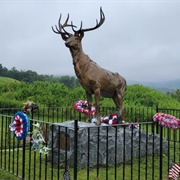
(167, 120)
(174, 171)
(20, 125)
(112, 119)
(82, 107)
(132, 125)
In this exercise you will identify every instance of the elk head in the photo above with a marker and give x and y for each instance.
(73, 40)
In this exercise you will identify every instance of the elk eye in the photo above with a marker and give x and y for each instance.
(64, 37)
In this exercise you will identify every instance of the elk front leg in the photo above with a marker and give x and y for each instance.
(97, 100)
(89, 100)
(122, 114)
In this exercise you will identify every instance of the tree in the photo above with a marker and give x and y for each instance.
(3, 70)
(175, 95)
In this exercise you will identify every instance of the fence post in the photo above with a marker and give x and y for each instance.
(161, 144)
(24, 149)
(23, 159)
(157, 127)
(157, 109)
(161, 153)
(75, 147)
(32, 116)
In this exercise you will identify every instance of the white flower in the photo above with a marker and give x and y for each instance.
(37, 125)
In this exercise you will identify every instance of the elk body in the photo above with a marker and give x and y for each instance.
(94, 79)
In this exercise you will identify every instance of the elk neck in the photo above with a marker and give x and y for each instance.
(78, 55)
(80, 61)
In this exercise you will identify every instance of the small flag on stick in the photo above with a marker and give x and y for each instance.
(174, 171)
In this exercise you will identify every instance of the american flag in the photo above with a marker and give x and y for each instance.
(174, 171)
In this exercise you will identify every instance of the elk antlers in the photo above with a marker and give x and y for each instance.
(98, 24)
(61, 28)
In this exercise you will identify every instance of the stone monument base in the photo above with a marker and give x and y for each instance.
(96, 143)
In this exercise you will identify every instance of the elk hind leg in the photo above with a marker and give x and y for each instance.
(89, 100)
(97, 100)
(118, 100)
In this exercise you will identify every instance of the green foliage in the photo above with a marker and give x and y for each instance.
(47, 94)
(138, 95)
(175, 95)
(8, 91)
(69, 81)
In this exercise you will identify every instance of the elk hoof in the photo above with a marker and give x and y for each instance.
(88, 121)
(98, 122)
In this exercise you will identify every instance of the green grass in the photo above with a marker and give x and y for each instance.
(39, 167)
(7, 79)
(6, 175)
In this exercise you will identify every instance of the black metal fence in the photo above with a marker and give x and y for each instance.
(79, 151)
(61, 114)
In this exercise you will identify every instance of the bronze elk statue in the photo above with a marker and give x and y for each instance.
(93, 78)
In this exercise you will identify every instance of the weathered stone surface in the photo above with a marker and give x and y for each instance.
(101, 142)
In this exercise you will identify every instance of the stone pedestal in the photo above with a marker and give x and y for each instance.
(118, 144)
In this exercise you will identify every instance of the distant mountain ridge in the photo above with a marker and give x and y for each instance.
(169, 85)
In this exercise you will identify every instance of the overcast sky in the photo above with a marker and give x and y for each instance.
(139, 39)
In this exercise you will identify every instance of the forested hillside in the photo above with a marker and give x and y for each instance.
(138, 95)
(17, 87)
(47, 94)
(31, 76)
